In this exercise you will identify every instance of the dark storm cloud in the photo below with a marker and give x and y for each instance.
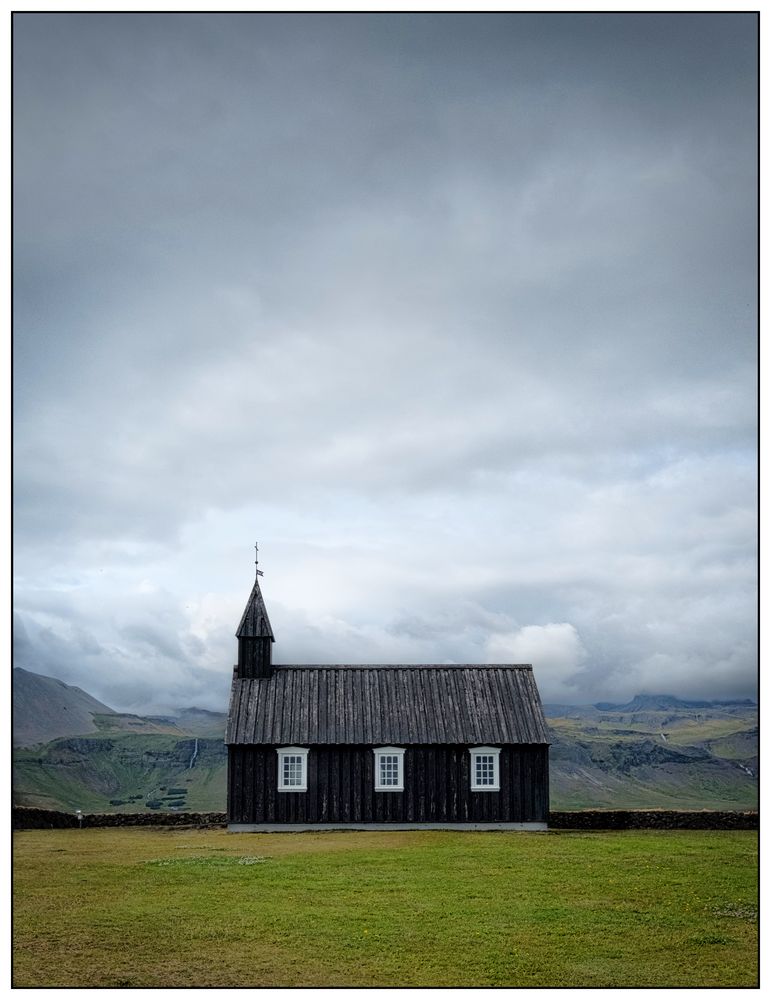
(332, 275)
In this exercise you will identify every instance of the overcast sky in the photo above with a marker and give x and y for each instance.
(455, 314)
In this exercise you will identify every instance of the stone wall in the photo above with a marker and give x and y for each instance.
(26, 818)
(651, 819)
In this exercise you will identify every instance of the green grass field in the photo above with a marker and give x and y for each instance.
(163, 907)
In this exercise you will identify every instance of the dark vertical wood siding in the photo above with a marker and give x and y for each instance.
(341, 789)
(254, 658)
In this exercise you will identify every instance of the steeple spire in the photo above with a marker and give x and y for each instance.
(254, 633)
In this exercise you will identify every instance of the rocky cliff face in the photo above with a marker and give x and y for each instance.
(655, 751)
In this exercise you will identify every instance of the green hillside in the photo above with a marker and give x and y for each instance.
(654, 753)
(125, 772)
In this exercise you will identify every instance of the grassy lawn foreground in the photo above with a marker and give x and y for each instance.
(164, 907)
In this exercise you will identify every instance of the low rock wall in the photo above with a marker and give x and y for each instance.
(26, 818)
(651, 819)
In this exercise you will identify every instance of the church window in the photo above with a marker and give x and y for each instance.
(389, 769)
(292, 769)
(485, 772)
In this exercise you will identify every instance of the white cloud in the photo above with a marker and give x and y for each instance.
(555, 651)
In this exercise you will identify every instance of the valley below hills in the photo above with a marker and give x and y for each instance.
(73, 752)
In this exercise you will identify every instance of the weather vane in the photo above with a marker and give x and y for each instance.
(258, 571)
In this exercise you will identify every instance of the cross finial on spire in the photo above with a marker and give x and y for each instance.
(257, 571)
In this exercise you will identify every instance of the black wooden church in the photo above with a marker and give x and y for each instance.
(381, 746)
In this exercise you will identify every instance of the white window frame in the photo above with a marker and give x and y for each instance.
(302, 753)
(397, 752)
(495, 753)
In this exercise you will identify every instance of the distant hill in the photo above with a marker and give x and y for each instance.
(201, 722)
(665, 702)
(45, 708)
(655, 750)
(650, 703)
(72, 751)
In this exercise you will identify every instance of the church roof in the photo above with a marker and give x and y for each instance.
(254, 621)
(381, 705)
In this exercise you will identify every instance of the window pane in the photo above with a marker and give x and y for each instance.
(484, 769)
(292, 770)
(388, 770)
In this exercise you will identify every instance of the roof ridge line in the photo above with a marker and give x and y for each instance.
(402, 666)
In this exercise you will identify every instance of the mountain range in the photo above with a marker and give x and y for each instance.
(656, 751)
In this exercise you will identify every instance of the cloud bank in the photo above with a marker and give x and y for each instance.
(455, 314)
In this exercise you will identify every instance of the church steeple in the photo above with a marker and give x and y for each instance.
(255, 636)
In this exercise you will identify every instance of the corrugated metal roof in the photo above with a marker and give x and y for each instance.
(380, 705)
(254, 621)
